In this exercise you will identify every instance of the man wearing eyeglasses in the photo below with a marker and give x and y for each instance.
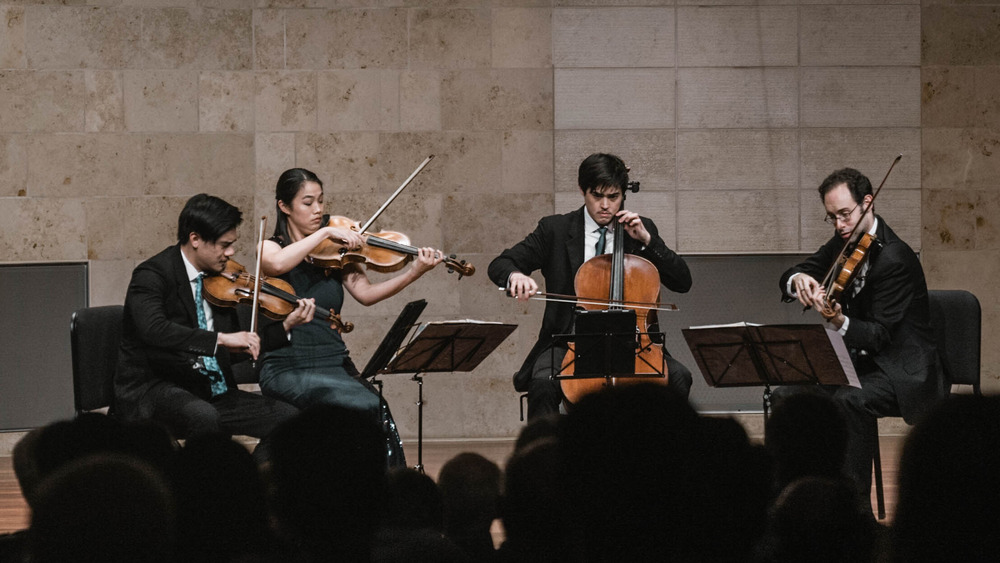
(883, 316)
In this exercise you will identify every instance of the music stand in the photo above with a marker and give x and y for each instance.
(446, 346)
(605, 346)
(745, 355)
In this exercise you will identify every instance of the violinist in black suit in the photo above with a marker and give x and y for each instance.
(883, 316)
(559, 245)
(175, 363)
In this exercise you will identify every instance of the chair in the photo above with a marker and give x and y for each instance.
(95, 337)
(956, 319)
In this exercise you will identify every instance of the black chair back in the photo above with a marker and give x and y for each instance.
(957, 321)
(95, 337)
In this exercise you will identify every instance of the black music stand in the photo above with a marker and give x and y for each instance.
(446, 346)
(605, 345)
(745, 355)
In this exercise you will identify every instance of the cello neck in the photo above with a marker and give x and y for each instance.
(617, 287)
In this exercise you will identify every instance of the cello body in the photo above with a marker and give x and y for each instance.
(618, 278)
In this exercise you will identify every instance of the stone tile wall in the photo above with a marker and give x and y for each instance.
(113, 112)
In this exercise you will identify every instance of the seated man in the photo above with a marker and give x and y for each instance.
(884, 317)
(558, 247)
(175, 361)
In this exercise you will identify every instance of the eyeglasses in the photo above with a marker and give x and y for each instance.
(844, 216)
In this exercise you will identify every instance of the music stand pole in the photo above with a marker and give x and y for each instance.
(420, 422)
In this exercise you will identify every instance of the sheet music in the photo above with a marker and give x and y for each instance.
(730, 325)
(845, 357)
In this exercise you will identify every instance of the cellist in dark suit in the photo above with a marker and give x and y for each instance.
(176, 371)
(883, 316)
(559, 245)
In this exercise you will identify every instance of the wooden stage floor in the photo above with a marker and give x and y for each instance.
(14, 512)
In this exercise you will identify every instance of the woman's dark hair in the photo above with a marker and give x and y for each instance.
(209, 216)
(601, 170)
(289, 184)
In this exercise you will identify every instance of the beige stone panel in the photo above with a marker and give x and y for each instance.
(216, 163)
(879, 2)
(900, 208)
(82, 37)
(497, 99)
(737, 36)
(610, 3)
(345, 162)
(736, 221)
(468, 230)
(39, 229)
(464, 163)
(449, 38)
(526, 164)
(168, 3)
(870, 150)
(41, 101)
(724, 3)
(225, 101)
(613, 37)
(132, 228)
(737, 97)
(420, 101)
(285, 101)
(358, 100)
(960, 35)
(12, 40)
(84, 165)
(661, 207)
(960, 158)
(269, 39)
(109, 281)
(961, 220)
(860, 97)
(225, 4)
(274, 153)
(956, 96)
(199, 38)
(650, 154)
(614, 98)
(522, 37)
(161, 100)
(346, 38)
(738, 159)
(860, 35)
(13, 166)
(105, 110)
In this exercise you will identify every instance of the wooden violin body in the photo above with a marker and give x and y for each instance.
(385, 251)
(847, 269)
(277, 298)
(619, 278)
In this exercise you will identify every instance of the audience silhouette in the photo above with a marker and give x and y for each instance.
(632, 473)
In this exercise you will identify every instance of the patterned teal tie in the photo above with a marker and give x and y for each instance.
(211, 368)
(601, 240)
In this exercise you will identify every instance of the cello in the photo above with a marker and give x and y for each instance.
(617, 281)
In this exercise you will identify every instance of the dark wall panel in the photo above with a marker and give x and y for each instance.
(36, 303)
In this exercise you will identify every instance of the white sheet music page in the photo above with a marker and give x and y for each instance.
(844, 356)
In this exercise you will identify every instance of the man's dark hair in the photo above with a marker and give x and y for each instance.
(857, 182)
(601, 170)
(208, 216)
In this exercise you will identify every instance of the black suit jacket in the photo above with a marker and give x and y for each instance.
(161, 341)
(556, 248)
(889, 317)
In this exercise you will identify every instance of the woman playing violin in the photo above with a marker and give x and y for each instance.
(317, 367)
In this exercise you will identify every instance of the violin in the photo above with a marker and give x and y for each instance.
(850, 260)
(276, 297)
(385, 251)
